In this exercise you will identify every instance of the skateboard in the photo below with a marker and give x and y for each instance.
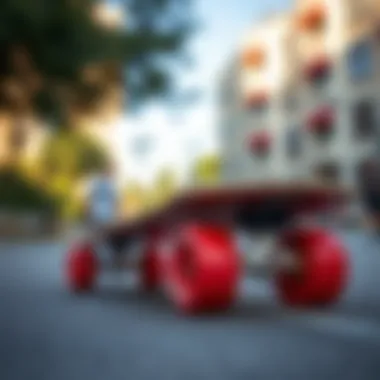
(199, 248)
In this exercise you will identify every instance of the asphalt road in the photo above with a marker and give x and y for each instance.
(118, 333)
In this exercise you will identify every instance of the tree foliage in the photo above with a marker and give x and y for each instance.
(135, 199)
(166, 181)
(141, 199)
(72, 154)
(67, 158)
(207, 169)
(18, 194)
(50, 51)
(163, 189)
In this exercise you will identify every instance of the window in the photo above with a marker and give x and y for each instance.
(361, 61)
(320, 82)
(364, 119)
(231, 166)
(290, 102)
(293, 143)
(259, 111)
(367, 171)
(361, 171)
(327, 172)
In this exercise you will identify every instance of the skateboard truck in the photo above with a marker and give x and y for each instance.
(264, 255)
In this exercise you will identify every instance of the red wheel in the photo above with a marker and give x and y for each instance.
(149, 269)
(82, 268)
(323, 270)
(201, 271)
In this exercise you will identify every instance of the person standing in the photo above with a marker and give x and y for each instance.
(102, 211)
(102, 199)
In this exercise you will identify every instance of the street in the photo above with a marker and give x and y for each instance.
(117, 333)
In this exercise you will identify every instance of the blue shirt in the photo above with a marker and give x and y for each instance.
(103, 200)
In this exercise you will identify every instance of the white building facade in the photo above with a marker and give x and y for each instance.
(302, 97)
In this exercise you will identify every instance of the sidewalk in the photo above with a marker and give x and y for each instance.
(27, 227)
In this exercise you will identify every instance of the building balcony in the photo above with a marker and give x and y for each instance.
(321, 121)
(260, 142)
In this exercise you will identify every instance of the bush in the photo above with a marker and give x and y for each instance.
(18, 194)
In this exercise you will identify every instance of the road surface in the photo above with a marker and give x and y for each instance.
(118, 333)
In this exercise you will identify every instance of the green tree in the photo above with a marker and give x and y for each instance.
(48, 46)
(139, 199)
(135, 199)
(18, 194)
(67, 158)
(58, 59)
(73, 154)
(166, 182)
(164, 188)
(206, 170)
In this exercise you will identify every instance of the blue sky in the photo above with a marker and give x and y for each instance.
(222, 24)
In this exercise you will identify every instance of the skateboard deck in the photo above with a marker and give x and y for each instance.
(229, 204)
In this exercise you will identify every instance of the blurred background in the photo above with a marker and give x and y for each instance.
(166, 95)
(179, 93)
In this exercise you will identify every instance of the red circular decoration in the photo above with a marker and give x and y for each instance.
(321, 120)
(318, 68)
(260, 142)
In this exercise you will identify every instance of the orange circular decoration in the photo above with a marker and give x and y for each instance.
(253, 57)
(313, 18)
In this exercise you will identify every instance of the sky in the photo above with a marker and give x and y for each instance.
(192, 131)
